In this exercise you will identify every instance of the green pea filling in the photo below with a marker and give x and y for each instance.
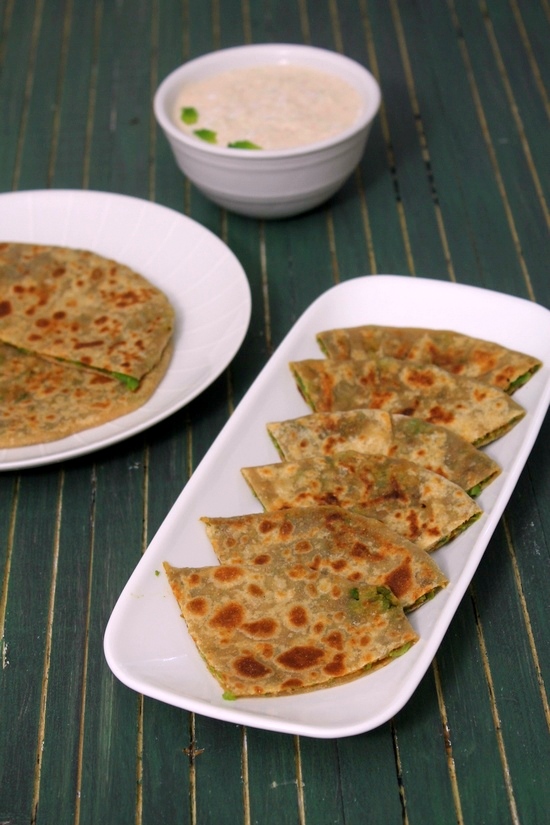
(399, 651)
(521, 380)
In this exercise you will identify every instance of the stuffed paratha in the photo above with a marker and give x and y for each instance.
(43, 400)
(270, 633)
(328, 538)
(476, 411)
(453, 351)
(418, 504)
(82, 308)
(377, 432)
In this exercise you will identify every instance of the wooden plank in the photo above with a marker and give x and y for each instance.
(65, 699)
(59, 697)
(227, 23)
(26, 640)
(363, 788)
(247, 239)
(299, 268)
(483, 211)
(507, 135)
(274, 787)
(521, 31)
(412, 183)
(522, 717)
(218, 768)
(420, 751)
(109, 737)
(75, 106)
(476, 724)
(471, 738)
(167, 764)
(370, 202)
(40, 122)
(376, 204)
(120, 145)
(461, 260)
(528, 523)
(171, 48)
(273, 22)
(16, 56)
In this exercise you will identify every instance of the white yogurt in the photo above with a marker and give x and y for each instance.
(271, 107)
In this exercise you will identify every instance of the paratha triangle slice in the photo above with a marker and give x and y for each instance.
(277, 632)
(82, 308)
(379, 433)
(477, 412)
(420, 505)
(455, 352)
(43, 400)
(329, 538)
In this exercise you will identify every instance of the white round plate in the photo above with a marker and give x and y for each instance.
(202, 278)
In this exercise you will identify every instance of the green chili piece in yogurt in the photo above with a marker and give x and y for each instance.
(243, 144)
(189, 115)
(206, 134)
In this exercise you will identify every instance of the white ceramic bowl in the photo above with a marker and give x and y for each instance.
(261, 183)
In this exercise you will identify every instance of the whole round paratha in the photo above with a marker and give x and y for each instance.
(82, 308)
(83, 340)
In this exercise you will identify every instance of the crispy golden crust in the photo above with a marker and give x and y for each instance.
(269, 633)
(328, 538)
(83, 308)
(43, 400)
(420, 505)
(377, 432)
(453, 351)
(476, 411)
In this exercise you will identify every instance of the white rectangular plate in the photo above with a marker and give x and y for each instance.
(146, 642)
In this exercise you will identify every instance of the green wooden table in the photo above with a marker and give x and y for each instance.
(455, 186)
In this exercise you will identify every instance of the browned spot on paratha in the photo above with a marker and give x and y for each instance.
(476, 411)
(252, 647)
(455, 352)
(342, 541)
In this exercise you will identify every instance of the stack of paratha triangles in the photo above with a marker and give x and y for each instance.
(382, 473)
(360, 548)
(376, 432)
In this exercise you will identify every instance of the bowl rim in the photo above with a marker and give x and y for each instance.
(286, 52)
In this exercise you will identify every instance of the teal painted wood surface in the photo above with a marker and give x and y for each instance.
(454, 185)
